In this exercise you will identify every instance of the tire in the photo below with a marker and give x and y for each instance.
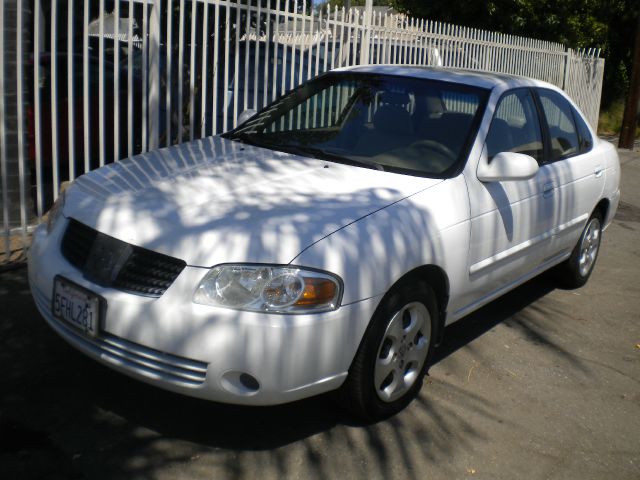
(393, 358)
(576, 270)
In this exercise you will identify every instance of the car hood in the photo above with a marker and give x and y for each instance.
(213, 201)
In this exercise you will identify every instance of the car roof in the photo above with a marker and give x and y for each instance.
(488, 80)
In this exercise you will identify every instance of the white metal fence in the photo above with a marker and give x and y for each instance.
(99, 80)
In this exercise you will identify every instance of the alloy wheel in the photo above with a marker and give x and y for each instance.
(402, 351)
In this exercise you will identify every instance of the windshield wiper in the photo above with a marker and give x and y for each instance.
(243, 137)
(314, 152)
(325, 155)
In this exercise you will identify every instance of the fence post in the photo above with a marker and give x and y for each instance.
(154, 75)
(567, 67)
(366, 38)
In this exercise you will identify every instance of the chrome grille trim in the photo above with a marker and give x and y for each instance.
(148, 361)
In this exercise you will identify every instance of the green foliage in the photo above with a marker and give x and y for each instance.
(610, 121)
(606, 24)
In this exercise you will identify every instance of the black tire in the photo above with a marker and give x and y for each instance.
(382, 343)
(576, 270)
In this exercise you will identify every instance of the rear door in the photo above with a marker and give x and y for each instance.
(576, 168)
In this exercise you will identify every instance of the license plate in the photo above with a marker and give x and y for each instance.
(76, 305)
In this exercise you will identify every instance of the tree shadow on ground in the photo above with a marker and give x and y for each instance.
(481, 321)
(90, 420)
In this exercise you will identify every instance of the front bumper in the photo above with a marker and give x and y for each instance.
(203, 351)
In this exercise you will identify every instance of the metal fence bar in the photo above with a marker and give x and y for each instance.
(256, 62)
(129, 80)
(181, 66)
(236, 64)
(101, 130)
(225, 108)
(3, 147)
(204, 69)
(293, 47)
(276, 38)
(265, 96)
(192, 74)
(20, 118)
(214, 96)
(145, 76)
(246, 57)
(54, 98)
(86, 119)
(70, 90)
(283, 71)
(302, 43)
(37, 113)
(168, 73)
(154, 75)
(116, 83)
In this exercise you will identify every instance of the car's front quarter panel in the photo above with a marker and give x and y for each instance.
(371, 255)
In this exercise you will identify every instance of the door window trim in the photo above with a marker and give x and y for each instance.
(547, 134)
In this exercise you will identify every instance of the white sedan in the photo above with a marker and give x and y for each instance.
(326, 242)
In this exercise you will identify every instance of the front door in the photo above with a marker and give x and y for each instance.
(511, 221)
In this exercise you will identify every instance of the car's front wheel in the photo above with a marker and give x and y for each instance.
(576, 270)
(392, 360)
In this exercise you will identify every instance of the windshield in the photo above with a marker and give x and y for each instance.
(387, 122)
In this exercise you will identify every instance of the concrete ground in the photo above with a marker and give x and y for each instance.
(543, 383)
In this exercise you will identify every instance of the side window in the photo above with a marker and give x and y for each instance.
(562, 131)
(515, 126)
(586, 141)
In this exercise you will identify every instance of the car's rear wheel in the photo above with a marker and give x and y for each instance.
(576, 270)
(392, 360)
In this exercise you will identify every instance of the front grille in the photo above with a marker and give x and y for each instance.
(144, 272)
(148, 273)
(77, 243)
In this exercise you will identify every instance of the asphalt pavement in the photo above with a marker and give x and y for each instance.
(541, 384)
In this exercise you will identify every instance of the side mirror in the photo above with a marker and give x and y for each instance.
(246, 115)
(506, 166)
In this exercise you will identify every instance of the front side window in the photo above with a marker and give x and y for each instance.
(392, 123)
(562, 131)
(515, 126)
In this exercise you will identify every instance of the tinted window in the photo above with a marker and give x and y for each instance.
(586, 142)
(389, 122)
(562, 131)
(515, 126)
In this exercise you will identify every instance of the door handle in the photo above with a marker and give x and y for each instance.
(548, 188)
(598, 171)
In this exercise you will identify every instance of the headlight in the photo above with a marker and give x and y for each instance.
(55, 212)
(267, 288)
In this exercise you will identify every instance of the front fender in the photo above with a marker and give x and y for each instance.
(372, 254)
